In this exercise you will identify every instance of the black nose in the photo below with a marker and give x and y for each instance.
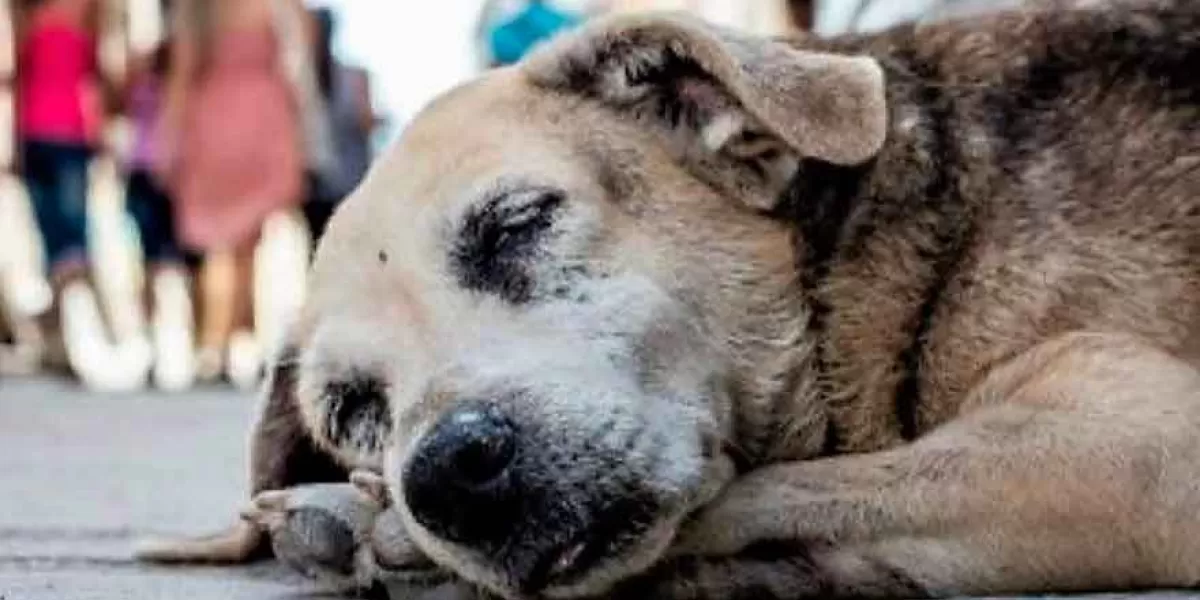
(458, 476)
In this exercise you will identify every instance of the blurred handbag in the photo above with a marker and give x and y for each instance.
(296, 59)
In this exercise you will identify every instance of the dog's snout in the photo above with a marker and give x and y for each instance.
(459, 472)
(478, 446)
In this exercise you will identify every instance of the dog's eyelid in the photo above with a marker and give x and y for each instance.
(529, 204)
(513, 205)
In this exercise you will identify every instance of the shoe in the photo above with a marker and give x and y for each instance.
(171, 330)
(209, 363)
(244, 362)
(100, 366)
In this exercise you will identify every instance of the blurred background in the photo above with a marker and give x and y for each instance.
(166, 166)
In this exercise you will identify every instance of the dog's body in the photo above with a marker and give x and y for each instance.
(913, 313)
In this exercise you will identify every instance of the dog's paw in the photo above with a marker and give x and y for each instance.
(395, 554)
(346, 535)
(320, 530)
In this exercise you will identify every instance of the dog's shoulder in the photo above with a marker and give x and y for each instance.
(1013, 137)
(983, 46)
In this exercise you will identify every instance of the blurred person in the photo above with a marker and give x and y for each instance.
(11, 322)
(509, 30)
(61, 92)
(347, 94)
(166, 297)
(232, 130)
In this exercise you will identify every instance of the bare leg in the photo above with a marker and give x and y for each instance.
(217, 284)
(243, 293)
(244, 353)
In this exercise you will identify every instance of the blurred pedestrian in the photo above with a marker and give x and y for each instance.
(61, 93)
(23, 294)
(166, 297)
(347, 93)
(232, 132)
(507, 35)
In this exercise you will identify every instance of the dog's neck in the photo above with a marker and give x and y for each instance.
(850, 389)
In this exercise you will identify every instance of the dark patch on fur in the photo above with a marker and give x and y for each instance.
(1104, 50)
(952, 220)
(819, 200)
(356, 401)
(838, 211)
(498, 239)
(832, 441)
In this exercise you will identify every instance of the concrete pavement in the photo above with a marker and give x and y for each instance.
(83, 476)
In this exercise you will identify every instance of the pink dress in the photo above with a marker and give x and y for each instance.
(240, 158)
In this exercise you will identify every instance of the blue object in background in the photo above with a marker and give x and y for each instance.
(538, 21)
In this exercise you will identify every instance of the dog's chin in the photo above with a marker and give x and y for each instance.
(588, 566)
(571, 546)
(582, 562)
(602, 572)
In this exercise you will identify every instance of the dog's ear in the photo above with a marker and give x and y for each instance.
(756, 100)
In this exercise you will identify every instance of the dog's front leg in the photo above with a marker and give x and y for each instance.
(346, 535)
(1073, 467)
(282, 454)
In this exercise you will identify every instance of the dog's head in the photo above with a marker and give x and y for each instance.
(551, 305)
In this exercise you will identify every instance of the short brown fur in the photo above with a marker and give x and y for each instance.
(951, 273)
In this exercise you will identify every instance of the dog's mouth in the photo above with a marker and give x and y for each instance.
(563, 566)
(617, 528)
(556, 514)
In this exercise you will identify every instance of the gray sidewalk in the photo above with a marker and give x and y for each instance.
(83, 476)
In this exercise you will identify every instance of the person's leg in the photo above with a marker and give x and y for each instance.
(167, 297)
(65, 261)
(217, 284)
(244, 293)
(138, 205)
(72, 189)
(244, 355)
(77, 317)
(50, 177)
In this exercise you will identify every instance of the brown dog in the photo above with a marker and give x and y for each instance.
(670, 312)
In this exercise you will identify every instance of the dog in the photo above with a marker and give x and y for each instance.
(668, 311)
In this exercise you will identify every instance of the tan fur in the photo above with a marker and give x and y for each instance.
(915, 313)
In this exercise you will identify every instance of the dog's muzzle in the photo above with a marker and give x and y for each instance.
(538, 507)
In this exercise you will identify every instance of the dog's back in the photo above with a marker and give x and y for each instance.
(1043, 177)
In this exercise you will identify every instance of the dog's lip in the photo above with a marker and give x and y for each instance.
(567, 559)
(611, 530)
(572, 561)
(556, 563)
(565, 563)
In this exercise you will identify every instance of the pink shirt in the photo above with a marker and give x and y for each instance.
(56, 88)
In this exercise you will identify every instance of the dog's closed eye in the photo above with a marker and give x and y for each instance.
(499, 237)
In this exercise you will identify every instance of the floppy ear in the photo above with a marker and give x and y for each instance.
(283, 450)
(757, 100)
